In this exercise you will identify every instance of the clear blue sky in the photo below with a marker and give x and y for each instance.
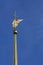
(30, 31)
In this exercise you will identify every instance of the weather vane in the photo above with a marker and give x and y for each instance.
(15, 24)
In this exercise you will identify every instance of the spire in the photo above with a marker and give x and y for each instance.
(15, 24)
(15, 15)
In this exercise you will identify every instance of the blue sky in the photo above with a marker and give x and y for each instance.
(30, 31)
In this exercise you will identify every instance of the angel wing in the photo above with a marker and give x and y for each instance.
(19, 20)
(16, 22)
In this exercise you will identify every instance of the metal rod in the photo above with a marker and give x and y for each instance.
(15, 49)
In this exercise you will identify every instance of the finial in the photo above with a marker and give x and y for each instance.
(16, 22)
